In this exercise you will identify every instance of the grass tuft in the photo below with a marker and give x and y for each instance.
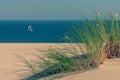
(101, 37)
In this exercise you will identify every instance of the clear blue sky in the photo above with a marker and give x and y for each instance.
(54, 9)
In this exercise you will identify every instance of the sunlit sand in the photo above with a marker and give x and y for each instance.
(110, 70)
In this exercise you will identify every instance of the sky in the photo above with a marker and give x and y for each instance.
(54, 9)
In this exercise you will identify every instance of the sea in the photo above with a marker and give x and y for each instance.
(34, 31)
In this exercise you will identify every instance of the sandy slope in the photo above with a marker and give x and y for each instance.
(9, 63)
(108, 71)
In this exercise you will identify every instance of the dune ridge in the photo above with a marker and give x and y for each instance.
(8, 63)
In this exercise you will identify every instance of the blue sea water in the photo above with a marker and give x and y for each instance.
(40, 31)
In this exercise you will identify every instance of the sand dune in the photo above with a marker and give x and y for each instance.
(108, 71)
(9, 63)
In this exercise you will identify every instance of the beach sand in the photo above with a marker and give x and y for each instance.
(110, 70)
(9, 63)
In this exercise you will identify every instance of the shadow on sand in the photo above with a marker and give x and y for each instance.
(53, 70)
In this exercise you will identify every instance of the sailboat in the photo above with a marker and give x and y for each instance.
(30, 28)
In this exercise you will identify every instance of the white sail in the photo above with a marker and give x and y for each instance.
(30, 28)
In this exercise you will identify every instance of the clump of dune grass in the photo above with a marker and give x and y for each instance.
(56, 61)
(101, 37)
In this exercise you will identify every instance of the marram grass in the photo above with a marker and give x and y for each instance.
(56, 61)
(101, 37)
